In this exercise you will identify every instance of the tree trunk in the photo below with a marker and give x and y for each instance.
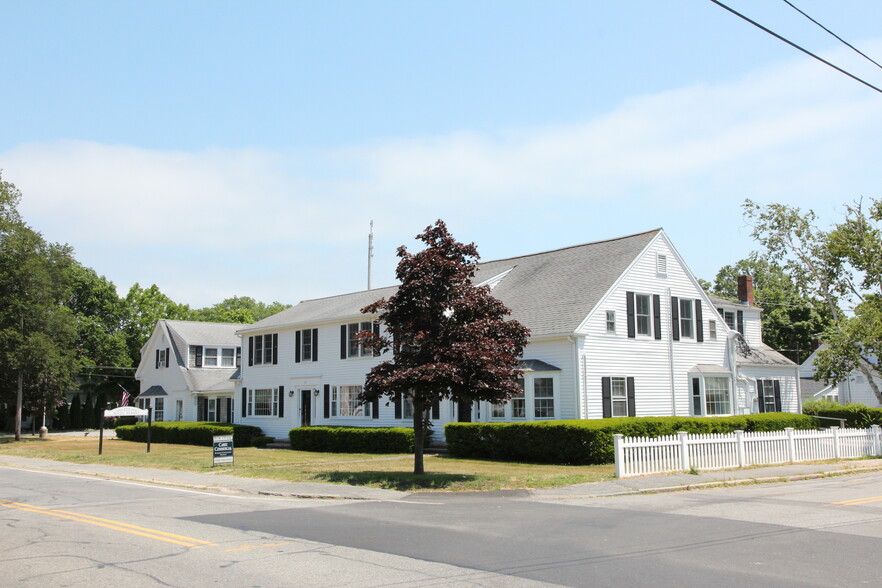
(864, 368)
(18, 402)
(419, 436)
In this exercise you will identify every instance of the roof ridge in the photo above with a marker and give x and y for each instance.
(572, 247)
(344, 294)
(199, 322)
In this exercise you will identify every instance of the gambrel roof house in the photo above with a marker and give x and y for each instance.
(619, 327)
(186, 369)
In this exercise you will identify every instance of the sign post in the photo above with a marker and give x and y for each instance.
(118, 412)
(223, 449)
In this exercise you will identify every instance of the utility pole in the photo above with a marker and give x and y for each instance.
(370, 253)
(20, 392)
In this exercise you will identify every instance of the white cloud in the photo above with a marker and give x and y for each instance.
(288, 226)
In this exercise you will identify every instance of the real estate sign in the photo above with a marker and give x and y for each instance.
(223, 449)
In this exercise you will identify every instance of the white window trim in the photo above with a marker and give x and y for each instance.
(362, 351)
(613, 399)
(648, 333)
(611, 322)
(274, 404)
(367, 407)
(690, 304)
(702, 378)
(529, 401)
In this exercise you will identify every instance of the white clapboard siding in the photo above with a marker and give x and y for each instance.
(637, 456)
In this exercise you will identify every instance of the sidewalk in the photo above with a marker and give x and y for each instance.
(218, 482)
(684, 481)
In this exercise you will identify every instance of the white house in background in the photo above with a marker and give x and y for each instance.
(186, 369)
(855, 388)
(618, 328)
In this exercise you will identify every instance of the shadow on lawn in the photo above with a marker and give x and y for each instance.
(396, 480)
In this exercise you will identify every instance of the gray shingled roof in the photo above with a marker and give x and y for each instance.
(761, 355)
(209, 379)
(551, 293)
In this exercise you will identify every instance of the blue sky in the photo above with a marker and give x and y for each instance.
(232, 148)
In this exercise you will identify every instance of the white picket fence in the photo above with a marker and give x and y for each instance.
(639, 456)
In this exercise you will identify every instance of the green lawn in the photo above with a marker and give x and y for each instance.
(379, 471)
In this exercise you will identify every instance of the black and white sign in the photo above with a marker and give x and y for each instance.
(223, 449)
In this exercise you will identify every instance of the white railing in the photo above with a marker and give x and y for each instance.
(638, 456)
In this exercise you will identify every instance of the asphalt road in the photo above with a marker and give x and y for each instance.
(64, 530)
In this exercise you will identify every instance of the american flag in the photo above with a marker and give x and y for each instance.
(125, 396)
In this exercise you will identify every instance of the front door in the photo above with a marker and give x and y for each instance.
(305, 407)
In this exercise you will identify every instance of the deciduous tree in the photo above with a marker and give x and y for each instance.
(841, 266)
(449, 338)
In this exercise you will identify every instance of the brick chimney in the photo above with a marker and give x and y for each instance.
(745, 290)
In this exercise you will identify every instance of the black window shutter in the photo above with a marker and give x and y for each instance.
(250, 350)
(741, 321)
(436, 409)
(375, 408)
(315, 345)
(777, 385)
(244, 402)
(464, 411)
(607, 397)
(376, 331)
(343, 342)
(167, 356)
(398, 400)
(656, 310)
(238, 356)
(629, 304)
(327, 401)
(632, 409)
(761, 401)
(229, 410)
(201, 409)
(157, 359)
(199, 356)
(275, 348)
(297, 347)
(699, 325)
(281, 401)
(675, 318)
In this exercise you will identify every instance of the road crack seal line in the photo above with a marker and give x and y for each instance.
(109, 524)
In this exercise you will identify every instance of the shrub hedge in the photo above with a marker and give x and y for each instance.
(353, 439)
(185, 433)
(585, 442)
(856, 415)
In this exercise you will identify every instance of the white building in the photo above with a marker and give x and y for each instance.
(853, 389)
(618, 328)
(186, 369)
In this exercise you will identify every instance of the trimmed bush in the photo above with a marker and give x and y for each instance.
(184, 433)
(857, 416)
(585, 442)
(353, 439)
(261, 441)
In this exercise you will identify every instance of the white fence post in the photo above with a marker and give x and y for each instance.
(739, 443)
(791, 445)
(877, 441)
(837, 451)
(618, 453)
(684, 451)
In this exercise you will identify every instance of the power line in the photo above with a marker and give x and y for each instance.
(795, 46)
(849, 45)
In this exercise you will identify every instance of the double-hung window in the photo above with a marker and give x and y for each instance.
(519, 402)
(345, 402)
(209, 357)
(159, 409)
(263, 402)
(306, 345)
(262, 349)
(618, 389)
(687, 319)
(543, 398)
(351, 345)
(212, 410)
(643, 314)
(610, 321)
(179, 410)
(711, 396)
(768, 395)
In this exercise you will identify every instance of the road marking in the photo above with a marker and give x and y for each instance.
(856, 501)
(109, 524)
